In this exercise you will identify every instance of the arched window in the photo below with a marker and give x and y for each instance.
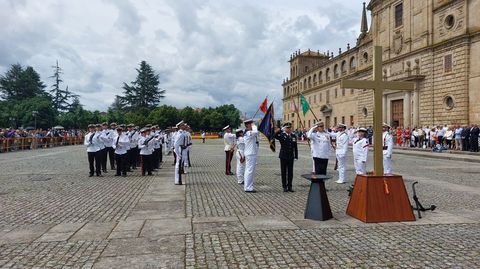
(335, 71)
(320, 79)
(309, 82)
(314, 79)
(304, 83)
(353, 63)
(365, 57)
(343, 67)
(327, 74)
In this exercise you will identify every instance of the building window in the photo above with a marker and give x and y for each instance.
(327, 74)
(308, 123)
(364, 112)
(304, 83)
(336, 93)
(449, 21)
(351, 91)
(334, 121)
(343, 119)
(448, 102)
(399, 15)
(335, 71)
(447, 63)
(352, 123)
(365, 57)
(328, 96)
(343, 92)
(320, 79)
(343, 68)
(315, 98)
(309, 99)
(353, 63)
(320, 97)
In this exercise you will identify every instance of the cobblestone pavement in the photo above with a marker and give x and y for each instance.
(54, 216)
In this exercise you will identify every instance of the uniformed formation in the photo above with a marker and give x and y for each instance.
(321, 142)
(128, 147)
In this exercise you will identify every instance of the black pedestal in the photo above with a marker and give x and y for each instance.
(318, 207)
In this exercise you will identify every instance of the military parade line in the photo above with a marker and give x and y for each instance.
(125, 148)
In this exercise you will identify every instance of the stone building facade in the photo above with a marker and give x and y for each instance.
(433, 43)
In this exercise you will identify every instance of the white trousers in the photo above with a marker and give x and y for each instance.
(240, 169)
(250, 164)
(185, 157)
(360, 167)
(387, 165)
(177, 169)
(341, 167)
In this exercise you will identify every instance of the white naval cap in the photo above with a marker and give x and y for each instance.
(180, 123)
(226, 127)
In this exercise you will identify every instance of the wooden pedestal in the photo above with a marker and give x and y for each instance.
(372, 201)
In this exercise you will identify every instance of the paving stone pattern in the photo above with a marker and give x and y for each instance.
(54, 216)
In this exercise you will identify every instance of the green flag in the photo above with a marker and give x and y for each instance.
(305, 105)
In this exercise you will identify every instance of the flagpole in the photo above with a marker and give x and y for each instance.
(258, 109)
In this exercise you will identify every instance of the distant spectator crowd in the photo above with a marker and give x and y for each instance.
(22, 139)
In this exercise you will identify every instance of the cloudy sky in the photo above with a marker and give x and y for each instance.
(207, 52)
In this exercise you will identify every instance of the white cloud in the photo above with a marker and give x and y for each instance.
(207, 53)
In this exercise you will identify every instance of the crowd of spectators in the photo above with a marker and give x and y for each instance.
(21, 139)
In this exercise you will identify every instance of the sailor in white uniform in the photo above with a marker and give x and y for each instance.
(92, 141)
(179, 145)
(320, 147)
(229, 142)
(341, 152)
(360, 152)
(240, 156)
(387, 149)
(251, 149)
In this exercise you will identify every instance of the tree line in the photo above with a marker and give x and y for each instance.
(26, 101)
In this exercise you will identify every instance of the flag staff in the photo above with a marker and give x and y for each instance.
(259, 108)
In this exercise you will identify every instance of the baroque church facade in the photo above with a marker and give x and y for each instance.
(433, 43)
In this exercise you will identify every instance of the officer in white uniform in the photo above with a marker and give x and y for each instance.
(93, 148)
(240, 156)
(120, 144)
(341, 152)
(179, 145)
(172, 142)
(186, 151)
(320, 147)
(132, 152)
(251, 149)
(387, 149)
(229, 142)
(360, 152)
(145, 144)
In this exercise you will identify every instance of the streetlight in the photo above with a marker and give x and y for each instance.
(12, 120)
(34, 114)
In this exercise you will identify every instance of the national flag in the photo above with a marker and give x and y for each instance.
(263, 106)
(293, 106)
(267, 126)
(305, 105)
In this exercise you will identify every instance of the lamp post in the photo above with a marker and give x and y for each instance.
(12, 120)
(34, 114)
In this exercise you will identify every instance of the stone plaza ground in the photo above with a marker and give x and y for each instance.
(54, 216)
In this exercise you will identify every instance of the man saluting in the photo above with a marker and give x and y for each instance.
(251, 150)
(288, 152)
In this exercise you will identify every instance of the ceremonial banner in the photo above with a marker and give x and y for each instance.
(263, 106)
(267, 126)
(305, 105)
(293, 106)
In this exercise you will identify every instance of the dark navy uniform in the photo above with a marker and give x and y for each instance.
(288, 152)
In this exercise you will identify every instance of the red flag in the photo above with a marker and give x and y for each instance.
(263, 106)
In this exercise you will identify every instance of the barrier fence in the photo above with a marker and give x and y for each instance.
(28, 143)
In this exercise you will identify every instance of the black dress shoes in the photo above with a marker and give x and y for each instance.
(291, 190)
(285, 190)
(252, 191)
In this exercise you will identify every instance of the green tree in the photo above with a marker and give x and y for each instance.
(214, 121)
(144, 92)
(19, 83)
(165, 116)
(18, 113)
(62, 99)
